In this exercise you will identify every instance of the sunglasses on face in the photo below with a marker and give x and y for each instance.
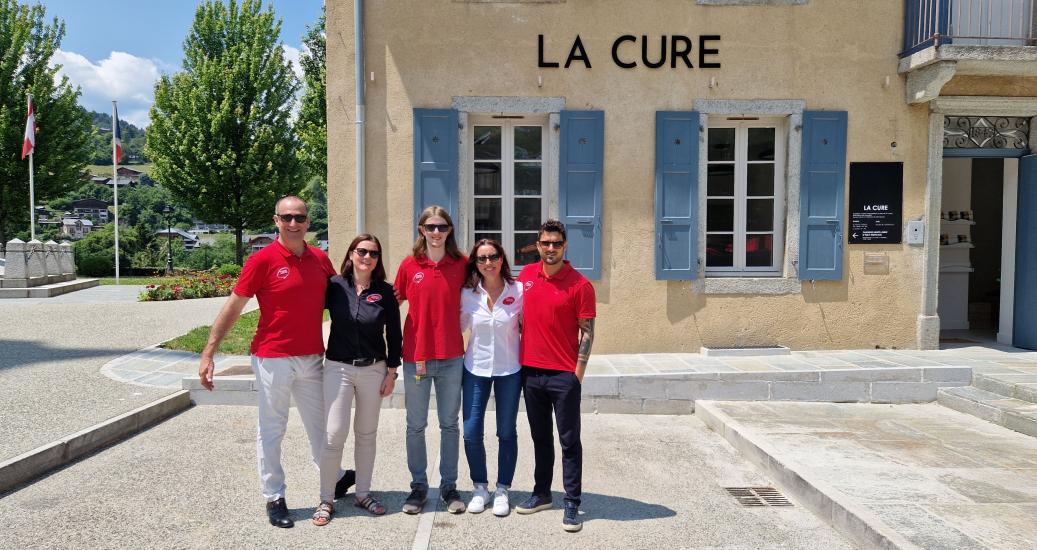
(433, 227)
(552, 244)
(363, 252)
(487, 259)
(287, 218)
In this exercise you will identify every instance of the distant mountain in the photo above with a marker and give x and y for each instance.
(132, 141)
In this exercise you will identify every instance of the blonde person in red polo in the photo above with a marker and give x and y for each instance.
(289, 279)
(433, 353)
(557, 332)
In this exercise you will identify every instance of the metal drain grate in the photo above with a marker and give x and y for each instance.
(758, 496)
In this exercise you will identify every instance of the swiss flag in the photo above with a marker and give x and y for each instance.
(30, 133)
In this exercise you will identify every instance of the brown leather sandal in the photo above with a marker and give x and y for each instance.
(322, 516)
(373, 507)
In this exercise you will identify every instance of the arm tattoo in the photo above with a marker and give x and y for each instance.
(586, 339)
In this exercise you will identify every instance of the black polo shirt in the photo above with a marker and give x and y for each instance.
(362, 326)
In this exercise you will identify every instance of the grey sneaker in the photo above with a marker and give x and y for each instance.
(415, 501)
(453, 501)
(571, 520)
(534, 504)
(501, 506)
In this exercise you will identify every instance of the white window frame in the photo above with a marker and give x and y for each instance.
(507, 195)
(741, 125)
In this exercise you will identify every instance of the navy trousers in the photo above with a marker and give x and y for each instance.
(548, 391)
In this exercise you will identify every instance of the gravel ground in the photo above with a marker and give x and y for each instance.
(190, 482)
(51, 353)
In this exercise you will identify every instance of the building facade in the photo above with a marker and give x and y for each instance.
(731, 173)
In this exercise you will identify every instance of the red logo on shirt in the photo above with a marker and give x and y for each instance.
(418, 277)
(529, 285)
(373, 298)
(282, 273)
(509, 300)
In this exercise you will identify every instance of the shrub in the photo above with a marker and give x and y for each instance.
(96, 265)
(233, 270)
(189, 286)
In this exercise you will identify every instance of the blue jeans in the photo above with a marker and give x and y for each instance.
(506, 390)
(446, 375)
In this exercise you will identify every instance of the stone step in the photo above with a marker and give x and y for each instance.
(1016, 386)
(1014, 414)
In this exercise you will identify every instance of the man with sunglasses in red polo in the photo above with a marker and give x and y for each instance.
(557, 333)
(289, 279)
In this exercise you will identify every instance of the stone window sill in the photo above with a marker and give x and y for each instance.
(751, 2)
(747, 285)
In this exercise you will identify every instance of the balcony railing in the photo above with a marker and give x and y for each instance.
(976, 22)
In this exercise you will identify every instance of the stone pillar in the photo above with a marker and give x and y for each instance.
(50, 262)
(36, 268)
(15, 273)
(67, 261)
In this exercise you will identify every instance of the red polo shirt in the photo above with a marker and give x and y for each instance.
(433, 326)
(290, 290)
(551, 310)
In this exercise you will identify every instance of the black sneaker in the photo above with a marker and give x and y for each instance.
(571, 520)
(277, 511)
(415, 501)
(534, 504)
(342, 487)
(453, 501)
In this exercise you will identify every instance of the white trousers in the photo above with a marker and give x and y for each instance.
(281, 379)
(344, 384)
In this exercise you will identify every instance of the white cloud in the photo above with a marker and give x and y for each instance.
(293, 55)
(122, 76)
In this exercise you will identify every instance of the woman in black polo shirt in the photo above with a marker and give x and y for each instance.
(363, 354)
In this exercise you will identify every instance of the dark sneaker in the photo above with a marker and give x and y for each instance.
(534, 504)
(571, 520)
(415, 501)
(342, 487)
(277, 511)
(453, 501)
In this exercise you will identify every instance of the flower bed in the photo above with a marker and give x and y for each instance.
(199, 284)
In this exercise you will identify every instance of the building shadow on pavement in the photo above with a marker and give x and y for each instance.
(22, 353)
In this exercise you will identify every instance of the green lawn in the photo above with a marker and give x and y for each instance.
(236, 343)
(135, 280)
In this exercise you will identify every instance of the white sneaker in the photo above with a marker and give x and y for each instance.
(479, 497)
(501, 506)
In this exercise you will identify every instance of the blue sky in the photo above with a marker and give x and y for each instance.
(116, 49)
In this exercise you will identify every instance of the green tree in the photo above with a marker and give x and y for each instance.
(27, 43)
(312, 125)
(220, 135)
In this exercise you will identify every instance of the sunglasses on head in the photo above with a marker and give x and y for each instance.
(552, 244)
(433, 227)
(287, 218)
(487, 259)
(362, 252)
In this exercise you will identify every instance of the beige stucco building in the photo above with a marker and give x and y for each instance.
(717, 199)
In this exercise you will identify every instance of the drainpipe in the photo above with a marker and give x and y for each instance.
(358, 37)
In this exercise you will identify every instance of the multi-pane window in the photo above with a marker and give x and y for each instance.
(507, 175)
(745, 207)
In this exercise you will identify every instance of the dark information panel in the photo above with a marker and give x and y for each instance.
(876, 202)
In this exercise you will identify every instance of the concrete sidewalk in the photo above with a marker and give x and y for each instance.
(923, 474)
(649, 481)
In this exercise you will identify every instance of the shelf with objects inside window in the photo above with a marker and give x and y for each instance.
(955, 266)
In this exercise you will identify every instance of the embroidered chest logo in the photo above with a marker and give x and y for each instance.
(373, 298)
(509, 300)
(282, 273)
(419, 276)
(529, 285)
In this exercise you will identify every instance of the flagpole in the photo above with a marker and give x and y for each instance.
(115, 180)
(32, 190)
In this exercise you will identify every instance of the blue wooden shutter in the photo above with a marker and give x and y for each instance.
(822, 188)
(676, 195)
(1024, 322)
(579, 187)
(435, 160)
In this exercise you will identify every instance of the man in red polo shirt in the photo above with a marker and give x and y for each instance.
(557, 332)
(289, 279)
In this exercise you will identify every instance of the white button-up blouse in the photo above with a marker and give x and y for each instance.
(493, 347)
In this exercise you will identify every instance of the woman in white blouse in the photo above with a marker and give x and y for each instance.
(491, 308)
